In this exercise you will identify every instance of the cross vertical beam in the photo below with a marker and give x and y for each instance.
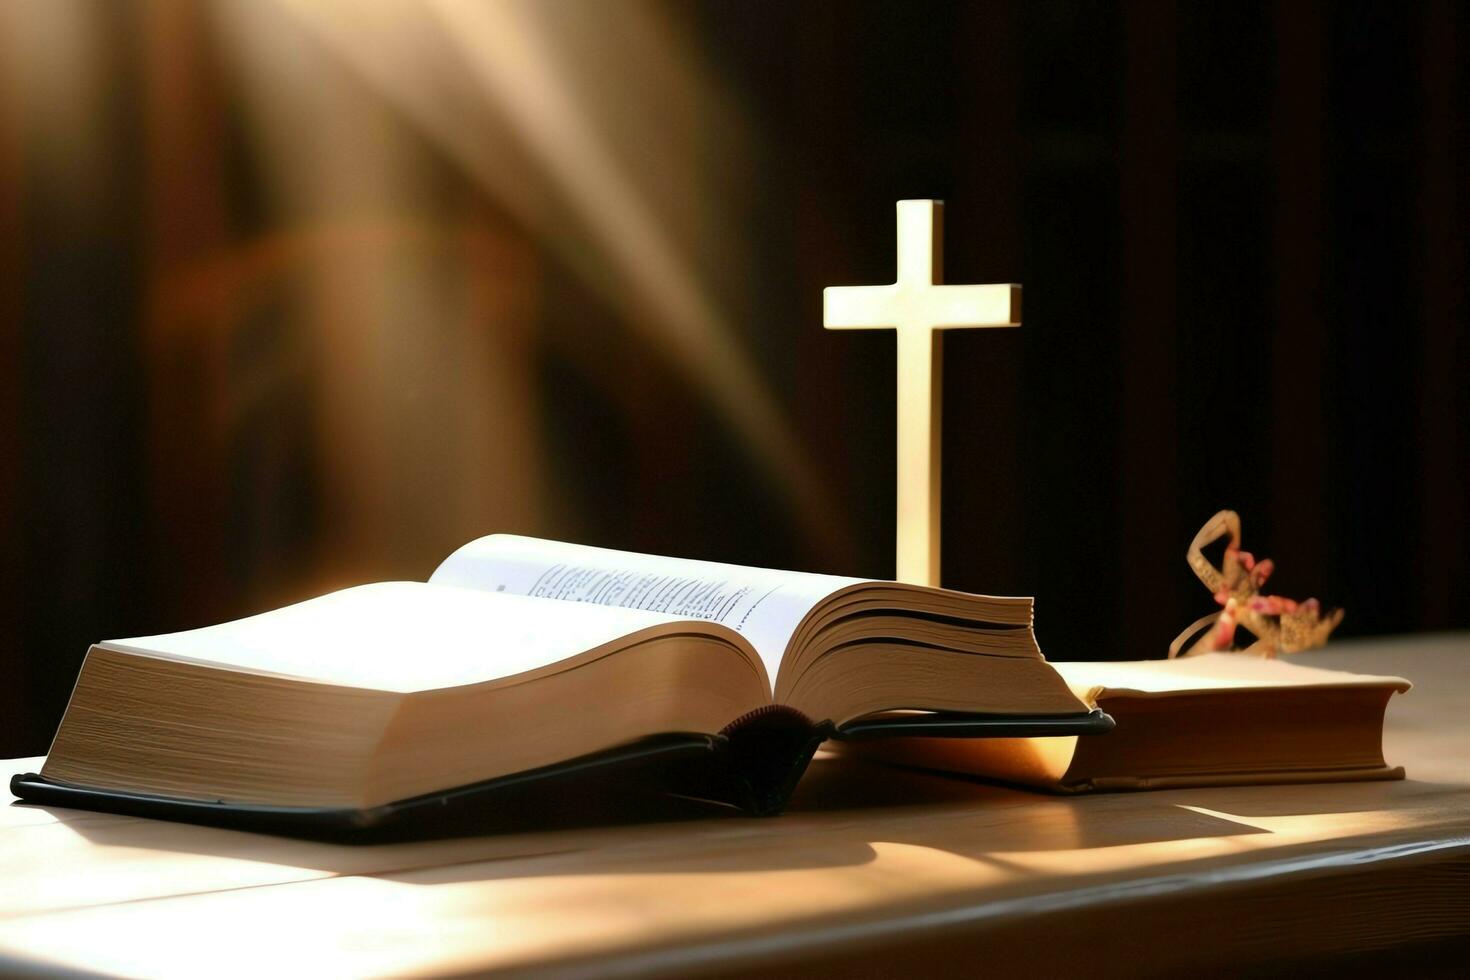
(918, 305)
(920, 425)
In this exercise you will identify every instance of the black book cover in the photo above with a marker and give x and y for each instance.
(754, 766)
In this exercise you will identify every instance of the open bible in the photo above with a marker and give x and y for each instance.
(526, 659)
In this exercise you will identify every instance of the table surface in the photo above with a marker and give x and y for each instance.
(871, 869)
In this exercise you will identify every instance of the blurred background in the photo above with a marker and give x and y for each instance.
(296, 294)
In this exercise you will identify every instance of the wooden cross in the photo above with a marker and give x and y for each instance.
(916, 306)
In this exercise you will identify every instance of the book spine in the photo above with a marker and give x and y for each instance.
(765, 754)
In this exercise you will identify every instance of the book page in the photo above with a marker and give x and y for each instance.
(764, 605)
(400, 636)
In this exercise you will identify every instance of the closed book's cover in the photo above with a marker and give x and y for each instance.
(754, 766)
(1256, 777)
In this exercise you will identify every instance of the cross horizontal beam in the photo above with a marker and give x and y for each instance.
(900, 306)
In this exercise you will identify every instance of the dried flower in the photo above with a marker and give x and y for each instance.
(1280, 625)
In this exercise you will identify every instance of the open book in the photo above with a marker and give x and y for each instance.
(1210, 720)
(520, 656)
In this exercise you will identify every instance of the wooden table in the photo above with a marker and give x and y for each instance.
(873, 871)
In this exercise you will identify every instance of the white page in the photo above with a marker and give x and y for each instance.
(401, 636)
(764, 605)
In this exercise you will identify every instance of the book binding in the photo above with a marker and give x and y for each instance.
(753, 766)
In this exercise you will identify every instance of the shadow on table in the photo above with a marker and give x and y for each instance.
(842, 809)
(1318, 799)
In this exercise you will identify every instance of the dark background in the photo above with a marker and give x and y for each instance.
(1239, 227)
